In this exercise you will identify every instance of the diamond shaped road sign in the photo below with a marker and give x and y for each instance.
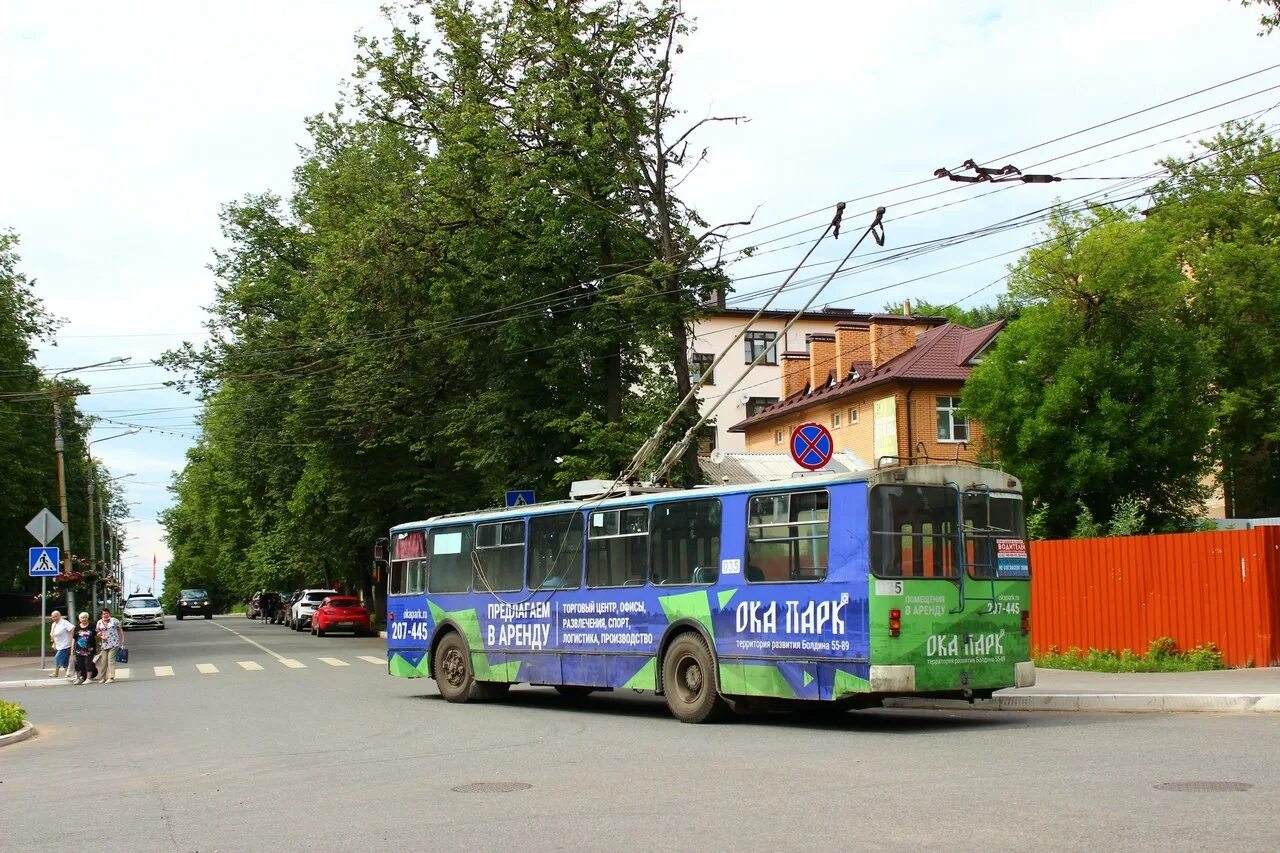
(45, 526)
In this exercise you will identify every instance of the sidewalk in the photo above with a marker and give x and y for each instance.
(1227, 690)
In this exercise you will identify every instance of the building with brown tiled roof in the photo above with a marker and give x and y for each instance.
(885, 386)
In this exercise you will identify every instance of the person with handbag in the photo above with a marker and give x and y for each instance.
(110, 638)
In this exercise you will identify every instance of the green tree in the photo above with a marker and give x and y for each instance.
(471, 288)
(1099, 389)
(28, 473)
(1006, 308)
(1220, 211)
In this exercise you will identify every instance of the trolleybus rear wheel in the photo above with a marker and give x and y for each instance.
(689, 681)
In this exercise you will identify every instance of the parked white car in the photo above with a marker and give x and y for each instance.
(142, 612)
(301, 611)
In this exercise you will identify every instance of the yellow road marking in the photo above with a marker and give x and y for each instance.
(206, 668)
(251, 665)
(122, 673)
(372, 659)
(293, 664)
(335, 662)
(162, 671)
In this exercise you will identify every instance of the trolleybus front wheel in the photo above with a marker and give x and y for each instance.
(689, 681)
(454, 677)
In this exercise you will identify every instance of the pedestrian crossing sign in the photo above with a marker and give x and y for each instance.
(43, 562)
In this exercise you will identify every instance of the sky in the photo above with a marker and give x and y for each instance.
(125, 127)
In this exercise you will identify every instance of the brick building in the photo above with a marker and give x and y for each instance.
(889, 385)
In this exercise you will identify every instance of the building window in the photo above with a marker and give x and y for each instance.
(951, 425)
(756, 405)
(777, 436)
(761, 342)
(700, 367)
(853, 414)
(835, 419)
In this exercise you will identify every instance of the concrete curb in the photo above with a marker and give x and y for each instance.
(1123, 703)
(382, 634)
(20, 735)
(37, 682)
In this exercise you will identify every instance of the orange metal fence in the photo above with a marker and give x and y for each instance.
(1198, 588)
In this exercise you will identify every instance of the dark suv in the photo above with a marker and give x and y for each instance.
(194, 602)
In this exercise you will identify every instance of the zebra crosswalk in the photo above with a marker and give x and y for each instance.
(207, 668)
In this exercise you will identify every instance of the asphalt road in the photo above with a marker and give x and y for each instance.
(323, 756)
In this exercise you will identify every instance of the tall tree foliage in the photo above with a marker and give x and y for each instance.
(1099, 390)
(1220, 211)
(28, 473)
(481, 281)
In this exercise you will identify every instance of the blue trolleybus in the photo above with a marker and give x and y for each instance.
(846, 589)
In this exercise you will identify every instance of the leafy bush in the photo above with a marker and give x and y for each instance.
(1126, 517)
(1162, 656)
(1038, 521)
(11, 717)
(1086, 527)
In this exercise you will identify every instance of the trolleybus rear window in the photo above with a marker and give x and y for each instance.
(913, 532)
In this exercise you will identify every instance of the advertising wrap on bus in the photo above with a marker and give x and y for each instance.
(829, 588)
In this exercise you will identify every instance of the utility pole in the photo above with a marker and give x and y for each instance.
(58, 447)
(88, 451)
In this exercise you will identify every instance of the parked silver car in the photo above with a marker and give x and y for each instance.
(142, 612)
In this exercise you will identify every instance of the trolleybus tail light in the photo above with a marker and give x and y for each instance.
(1026, 622)
(391, 617)
(895, 623)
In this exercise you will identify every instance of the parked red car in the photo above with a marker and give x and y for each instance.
(340, 613)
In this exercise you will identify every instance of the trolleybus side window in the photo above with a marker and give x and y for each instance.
(990, 516)
(555, 551)
(685, 542)
(913, 532)
(787, 537)
(408, 570)
(449, 552)
(618, 547)
(500, 556)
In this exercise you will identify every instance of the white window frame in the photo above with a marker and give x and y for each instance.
(952, 403)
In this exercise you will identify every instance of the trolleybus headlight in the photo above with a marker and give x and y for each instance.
(1026, 622)
(895, 623)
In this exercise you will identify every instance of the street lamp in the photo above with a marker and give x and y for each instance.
(88, 476)
(105, 551)
(62, 493)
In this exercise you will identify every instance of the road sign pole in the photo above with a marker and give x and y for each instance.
(44, 607)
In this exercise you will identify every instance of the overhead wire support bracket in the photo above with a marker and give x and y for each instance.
(1006, 174)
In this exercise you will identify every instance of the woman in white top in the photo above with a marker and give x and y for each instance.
(60, 635)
